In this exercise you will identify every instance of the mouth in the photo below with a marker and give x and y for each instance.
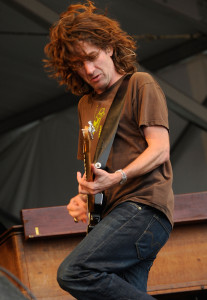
(96, 78)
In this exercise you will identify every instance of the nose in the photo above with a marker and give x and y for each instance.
(88, 67)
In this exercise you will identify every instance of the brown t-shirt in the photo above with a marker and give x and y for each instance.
(145, 105)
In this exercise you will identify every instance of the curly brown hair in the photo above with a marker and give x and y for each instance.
(81, 23)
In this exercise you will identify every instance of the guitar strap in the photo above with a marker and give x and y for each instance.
(111, 124)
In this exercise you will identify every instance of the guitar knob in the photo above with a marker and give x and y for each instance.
(98, 165)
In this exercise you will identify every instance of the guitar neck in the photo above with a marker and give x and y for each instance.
(87, 162)
(94, 201)
(87, 167)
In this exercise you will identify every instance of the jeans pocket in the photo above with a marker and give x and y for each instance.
(152, 240)
(136, 205)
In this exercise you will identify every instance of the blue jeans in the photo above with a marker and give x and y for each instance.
(113, 261)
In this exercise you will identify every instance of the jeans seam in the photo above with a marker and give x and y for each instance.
(153, 220)
(148, 225)
(137, 242)
(163, 225)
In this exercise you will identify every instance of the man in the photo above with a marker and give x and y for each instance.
(91, 55)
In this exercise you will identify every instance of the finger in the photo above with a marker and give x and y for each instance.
(93, 169)
(77, 214)
(80, 217)
(97, 172)
(77, 209)
(84, 218)
(85, 187)
(84, 198)
(82, 190)
(79, 176)
(81, 179)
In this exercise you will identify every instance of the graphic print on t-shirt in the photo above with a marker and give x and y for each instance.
(97, 120)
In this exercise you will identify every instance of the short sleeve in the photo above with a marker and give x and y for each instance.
(152, 106)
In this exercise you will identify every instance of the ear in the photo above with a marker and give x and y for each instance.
(109, 50)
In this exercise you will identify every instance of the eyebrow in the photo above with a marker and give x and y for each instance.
(85, 56)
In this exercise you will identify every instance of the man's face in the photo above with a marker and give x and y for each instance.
(96, 66)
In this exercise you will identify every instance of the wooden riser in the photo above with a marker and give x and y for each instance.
(181, 266)
(182, 263)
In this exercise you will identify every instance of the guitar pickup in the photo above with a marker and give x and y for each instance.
(98, 201)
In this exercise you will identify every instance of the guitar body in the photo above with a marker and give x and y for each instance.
(94, 216)
(95, 202)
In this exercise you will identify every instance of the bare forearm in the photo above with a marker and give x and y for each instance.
(146, 162)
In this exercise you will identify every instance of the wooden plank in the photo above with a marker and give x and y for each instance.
(12, 254)
(43, 257)
(55, 221)
(50, 221)
(190, 208)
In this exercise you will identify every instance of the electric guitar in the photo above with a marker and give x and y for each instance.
(95, 202)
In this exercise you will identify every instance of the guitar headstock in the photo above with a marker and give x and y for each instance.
(88, 131)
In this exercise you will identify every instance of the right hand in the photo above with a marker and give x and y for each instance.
(77, 207)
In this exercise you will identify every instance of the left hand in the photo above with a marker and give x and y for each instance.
(102, 181)
(77, 208)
